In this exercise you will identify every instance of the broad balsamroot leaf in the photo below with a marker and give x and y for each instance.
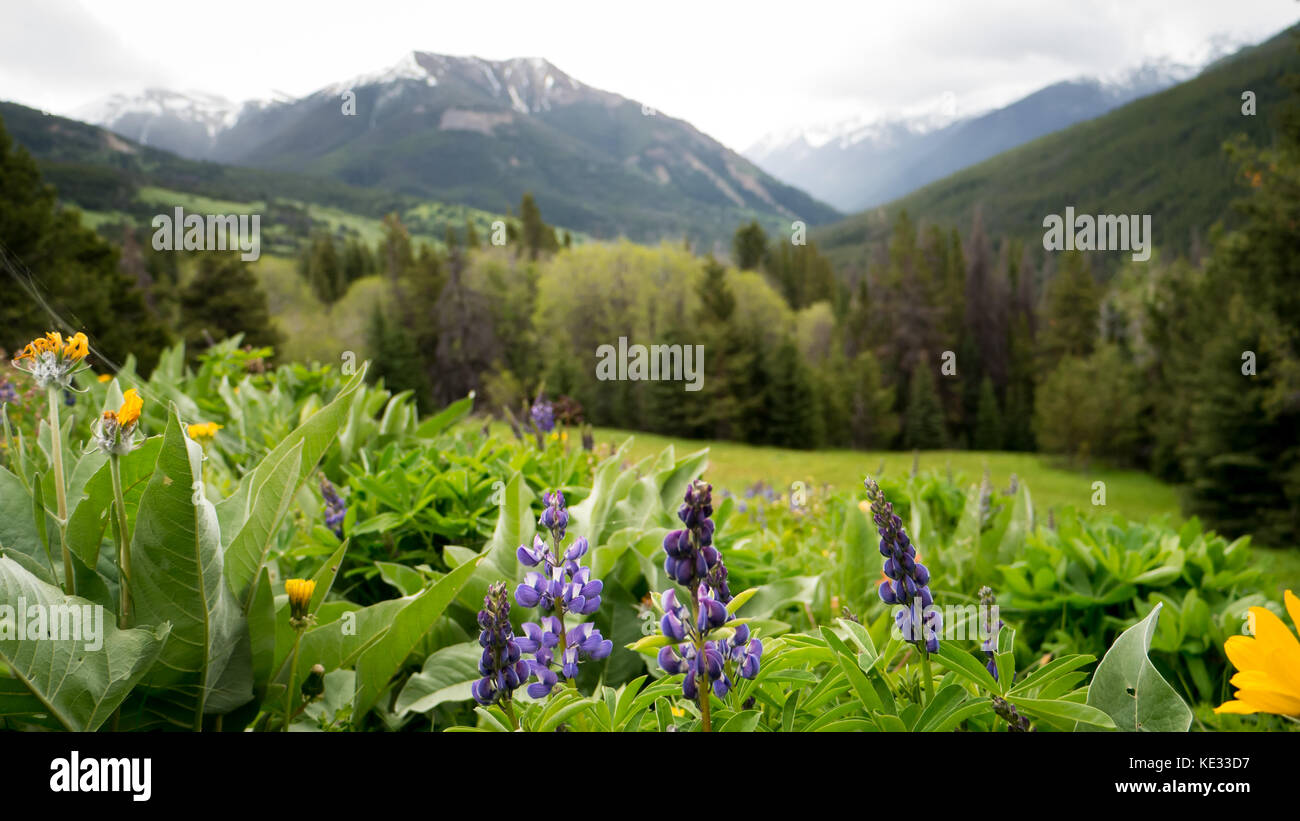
(79, 680)
(1129, 689)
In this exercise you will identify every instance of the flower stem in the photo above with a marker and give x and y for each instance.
(60, 488)
(510, 713)
(123, 546)
(293, 671)
(925, 670)
(703, 684)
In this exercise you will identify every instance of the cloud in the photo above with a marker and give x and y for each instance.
(55, 56)
(737, 70)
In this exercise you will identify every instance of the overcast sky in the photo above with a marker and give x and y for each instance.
(736, 70)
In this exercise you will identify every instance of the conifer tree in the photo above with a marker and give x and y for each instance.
(223, 299)
(923, 427)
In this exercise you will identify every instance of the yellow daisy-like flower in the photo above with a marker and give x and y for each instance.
(116, 433)
(300, 592)
(51, 361)
(203, 431)
(1268, 664)
(77, 347)
(129, 413)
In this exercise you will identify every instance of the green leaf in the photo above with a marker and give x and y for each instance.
(79, 686)
(1129, 688)
(272, 493)
(377, 665)
(447, 675)
(445, 418)
(742, 722)
(407, 580)
(176, 576)
(1068, 710)
(965, 665)
(314, 435)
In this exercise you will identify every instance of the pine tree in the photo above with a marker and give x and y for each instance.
(394, 357)
(1073, 305)
(62, 276)
(794, 409)
(923, 423)
(749, 246)
(223, 299)
(988, 419)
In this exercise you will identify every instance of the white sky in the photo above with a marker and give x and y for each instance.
(736, 70)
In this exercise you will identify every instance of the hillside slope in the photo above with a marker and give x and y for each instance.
(1161, 155)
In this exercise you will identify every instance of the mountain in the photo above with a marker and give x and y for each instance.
(857, 164)
(111, 179)
(1160, 155)
(482, 132)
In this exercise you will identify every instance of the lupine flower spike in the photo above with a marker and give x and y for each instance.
(335, 509)
(988, 612)
(907, 582)
(502, 666)
(561, 586)
(693, 561)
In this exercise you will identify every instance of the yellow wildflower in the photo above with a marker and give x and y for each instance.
(203, 430)
(129, 413)
(300, 592)
(51, 361)
(77, 347)
(105, 377)
(1268, 664)
(116, 434)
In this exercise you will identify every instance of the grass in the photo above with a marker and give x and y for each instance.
(736, 466)
(1129, 493)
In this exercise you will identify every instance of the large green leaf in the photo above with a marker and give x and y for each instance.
(176, 576)
(515, 526)
(448, 675)
(91, 515)
(384, 658)
(78, 685)
(314, 436)
(20, 537)
(1129, 688)
(271, 497)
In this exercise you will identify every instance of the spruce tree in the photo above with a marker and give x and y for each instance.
(61, 276)
(749, 246)
(988, 420)
(223, 299)
(923, 422)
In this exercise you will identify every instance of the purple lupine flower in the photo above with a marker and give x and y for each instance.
(691, 554)
(502, 667)
(908, 582)
(988, 610)
(693, 560)
(8, 393)
(560, 585)
(543, 413)
(335, 510)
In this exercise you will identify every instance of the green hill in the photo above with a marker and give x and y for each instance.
(1161, 155)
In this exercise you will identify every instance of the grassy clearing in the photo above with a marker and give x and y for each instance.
(736, 466)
